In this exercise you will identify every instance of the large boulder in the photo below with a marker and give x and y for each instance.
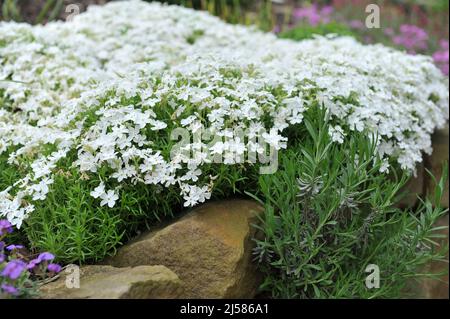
(106, 282)
(210, 249)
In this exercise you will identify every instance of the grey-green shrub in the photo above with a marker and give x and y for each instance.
(329, 213)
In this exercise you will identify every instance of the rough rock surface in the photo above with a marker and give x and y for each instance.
(106, 282)
(210, 249)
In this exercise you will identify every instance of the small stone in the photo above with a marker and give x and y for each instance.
(107, 282)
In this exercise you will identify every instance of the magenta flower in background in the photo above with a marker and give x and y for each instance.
(326, 11)
(14, 269)
(313, 14)
(441, 57)
(412, 38)
(9, 289)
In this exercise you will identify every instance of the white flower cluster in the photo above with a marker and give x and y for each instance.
(99, 88)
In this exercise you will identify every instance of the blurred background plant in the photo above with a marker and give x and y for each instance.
(416, 26)
(41, 11)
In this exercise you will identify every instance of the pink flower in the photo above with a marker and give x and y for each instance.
(441, 58)
(326, 11)
(443, 44)
(412, 38)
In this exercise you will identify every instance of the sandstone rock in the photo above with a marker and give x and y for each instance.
(106, 282)
(435, 161)
(210, 249)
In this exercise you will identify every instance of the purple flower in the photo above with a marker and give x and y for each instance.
(14, 247)
(2, 258)
(54, 268)
(14, 269)
(45, 257)
(5, 227)
(33, 263)
(276, 29)
(42, 257)
(9, 289)
(2, 245)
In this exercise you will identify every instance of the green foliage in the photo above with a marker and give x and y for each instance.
(436, 5)
(329, 213)
(245, 12)
(73, 226)
(302, 32)
(233, 11)
(10, 11)
(194, 36)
